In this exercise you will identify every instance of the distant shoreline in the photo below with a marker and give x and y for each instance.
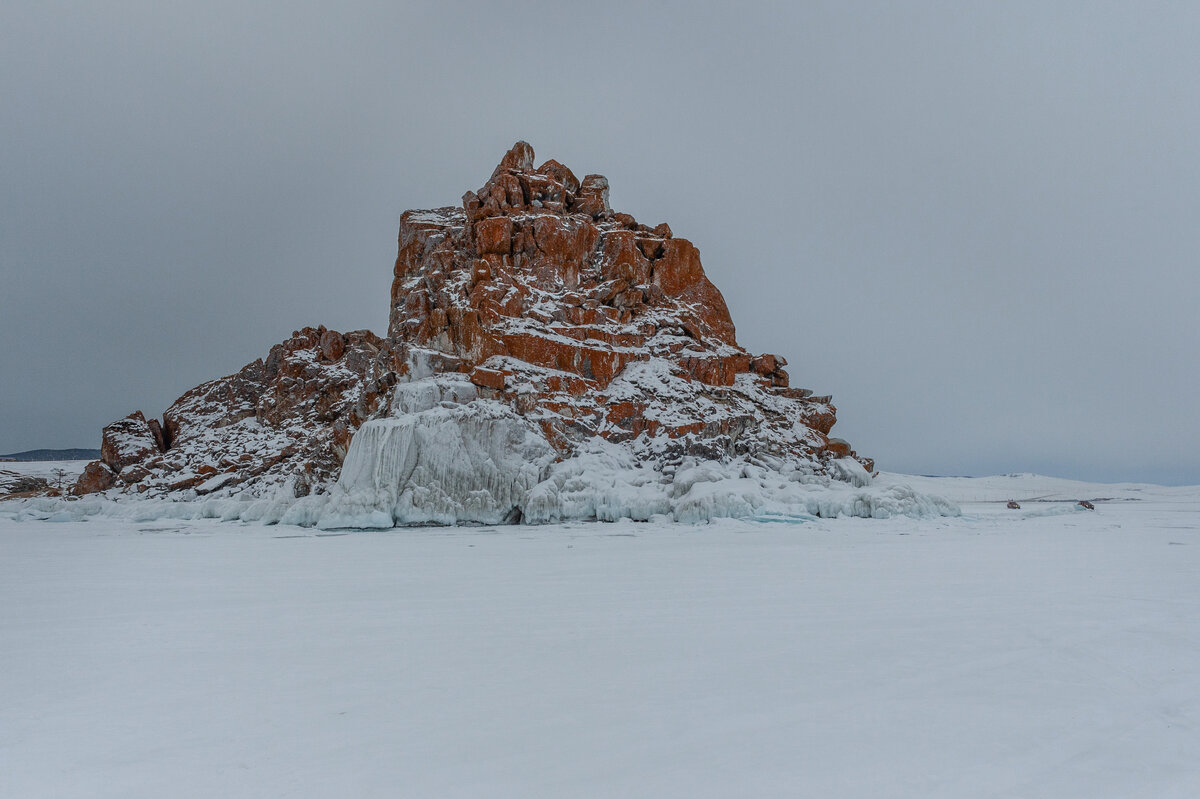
(75, 454)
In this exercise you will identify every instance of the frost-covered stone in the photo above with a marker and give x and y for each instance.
(127, 441)
(283, 420)
(96, 476)
(15, 483)
(547, 359)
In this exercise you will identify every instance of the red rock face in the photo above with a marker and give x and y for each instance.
(536, 268)
(535, 258)
(97, 476)
(582, 319)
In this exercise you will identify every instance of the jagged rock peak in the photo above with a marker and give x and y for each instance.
(537, 288)
(557, 337)
(515, 185)
(519, 158)
(536, 256)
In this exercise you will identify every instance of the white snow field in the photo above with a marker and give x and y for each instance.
(1045, 652)
(46, 469)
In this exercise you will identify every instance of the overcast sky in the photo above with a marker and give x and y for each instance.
(975, 224)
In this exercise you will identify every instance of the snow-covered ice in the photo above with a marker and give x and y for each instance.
(46, 469)
(449, 463)
(441, 465)
(1045, 652)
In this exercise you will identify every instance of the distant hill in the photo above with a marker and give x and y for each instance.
(53, 455)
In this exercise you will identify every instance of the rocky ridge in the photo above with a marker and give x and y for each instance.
(533, 304)
(286, 419)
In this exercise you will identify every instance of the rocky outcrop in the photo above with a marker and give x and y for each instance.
(97, 476)
(283, 420)
(547, 307)
(545, 295)
(15, 484)
(129, 441)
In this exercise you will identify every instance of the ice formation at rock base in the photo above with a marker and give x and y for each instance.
(547, 359)
(597, 486)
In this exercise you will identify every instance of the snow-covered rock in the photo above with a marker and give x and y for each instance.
(547, 359)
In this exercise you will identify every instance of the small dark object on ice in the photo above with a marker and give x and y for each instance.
(1012, 505)
(1085, 504)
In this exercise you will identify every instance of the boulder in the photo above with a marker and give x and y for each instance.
(488, 378)
(97, 476)
(767, 364)
(592, 197)
(561, 174)
(332, 345)
(127, 441)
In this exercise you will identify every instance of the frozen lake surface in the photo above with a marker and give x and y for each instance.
(1045, 652)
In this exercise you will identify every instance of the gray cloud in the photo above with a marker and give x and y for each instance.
(974, 224)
